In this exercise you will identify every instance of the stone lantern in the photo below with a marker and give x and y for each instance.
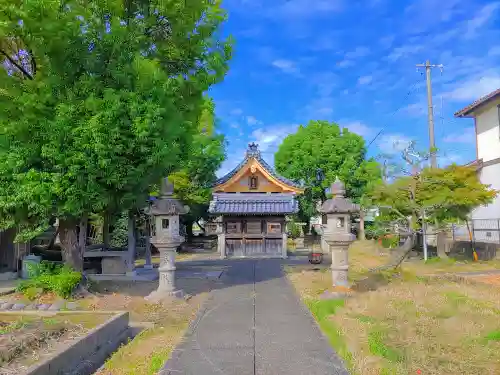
(337, 233)
(165, 236)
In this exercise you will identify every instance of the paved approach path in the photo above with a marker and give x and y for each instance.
(254, 324)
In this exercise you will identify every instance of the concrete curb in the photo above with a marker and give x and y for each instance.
(84, 355)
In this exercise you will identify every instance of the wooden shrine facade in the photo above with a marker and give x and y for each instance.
(250, 205)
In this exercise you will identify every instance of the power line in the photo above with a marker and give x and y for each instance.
(393, 113)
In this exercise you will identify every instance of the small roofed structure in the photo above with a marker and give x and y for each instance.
(251, 204)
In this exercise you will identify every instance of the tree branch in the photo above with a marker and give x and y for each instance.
(29, 76)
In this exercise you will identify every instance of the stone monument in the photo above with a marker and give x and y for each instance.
(337, 234)
(165, 236)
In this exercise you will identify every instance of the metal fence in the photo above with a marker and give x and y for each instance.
(483, 230)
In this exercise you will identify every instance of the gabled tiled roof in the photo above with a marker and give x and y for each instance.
(253, 152)
(467, 110)
(253, 204)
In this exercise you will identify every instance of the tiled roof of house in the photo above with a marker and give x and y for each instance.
(467, 110)
(253, 204)
(253, 152)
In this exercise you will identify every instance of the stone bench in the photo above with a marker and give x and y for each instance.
(112, 262)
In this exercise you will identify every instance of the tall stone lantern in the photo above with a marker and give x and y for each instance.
(165, 236)
(337, 234)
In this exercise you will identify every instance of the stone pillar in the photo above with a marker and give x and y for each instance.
(147, 255)
(166, 285)
(284, 253)
(131, 243)
(221, 237)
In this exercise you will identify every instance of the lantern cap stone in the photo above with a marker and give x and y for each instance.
(166, 204)
(338, 188)
(338, 203)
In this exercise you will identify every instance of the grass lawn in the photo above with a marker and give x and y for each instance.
(410, 324)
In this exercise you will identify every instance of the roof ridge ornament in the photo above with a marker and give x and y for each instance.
(253, 150)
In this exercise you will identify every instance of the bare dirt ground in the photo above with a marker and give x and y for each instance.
(408, 323)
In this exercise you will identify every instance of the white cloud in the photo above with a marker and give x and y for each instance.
(270, 138)
(391, 144)
(345, 63)
(415, 109)
(357, 127)
(324, 82)
(422, 15)
(468, 136)
(305, 8)
(234, 125)
(404, 51)
(473, 88)
(287, 66)
(494, 51)
(236, 112)
(357, 53)
(319, 108)
(365, 80)
(387, 41)
(482, 17)
(450, 158)
(251, 120)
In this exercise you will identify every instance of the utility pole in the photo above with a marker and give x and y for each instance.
(428, 66)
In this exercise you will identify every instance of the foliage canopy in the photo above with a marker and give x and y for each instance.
(98, 101)
(337, 152)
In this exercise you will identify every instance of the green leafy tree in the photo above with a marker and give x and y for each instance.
(203, 158)
(337, 152)
(441, 195)
(98, 101)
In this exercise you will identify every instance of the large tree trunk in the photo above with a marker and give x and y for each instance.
(71, 249)
(361, 234)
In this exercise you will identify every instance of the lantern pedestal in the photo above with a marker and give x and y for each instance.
(166, 285)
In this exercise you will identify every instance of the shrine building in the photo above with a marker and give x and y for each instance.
(250, 205)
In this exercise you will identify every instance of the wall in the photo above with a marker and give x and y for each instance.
(488, 132)
(489, 175)
(242, 184)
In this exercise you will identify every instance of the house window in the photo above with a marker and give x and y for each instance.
(273, 228)
(253, 183)
(233, 228)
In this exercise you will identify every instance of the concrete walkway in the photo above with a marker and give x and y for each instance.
(254, 324)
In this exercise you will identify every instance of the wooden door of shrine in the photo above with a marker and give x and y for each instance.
(254, 237)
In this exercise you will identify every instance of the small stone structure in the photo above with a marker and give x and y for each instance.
(337, 233)
(165, 237)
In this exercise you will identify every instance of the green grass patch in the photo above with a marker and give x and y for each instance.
(365, 318)
(322, 310)
(493, 336)
(377, 347)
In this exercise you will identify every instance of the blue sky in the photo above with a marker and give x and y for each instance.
(354, 62)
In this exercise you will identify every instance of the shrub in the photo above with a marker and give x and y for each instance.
(294, 230)
(389, 241)
(49, 277)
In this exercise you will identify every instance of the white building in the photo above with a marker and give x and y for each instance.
(486, 114)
